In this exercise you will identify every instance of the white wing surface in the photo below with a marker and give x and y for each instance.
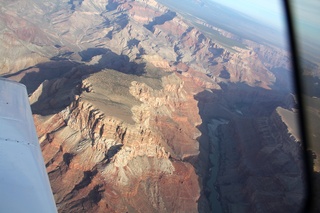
(24, 183)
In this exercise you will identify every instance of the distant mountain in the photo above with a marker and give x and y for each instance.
(227, 19)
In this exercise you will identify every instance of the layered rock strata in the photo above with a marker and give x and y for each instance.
(133, 28)
(113, 87)
(121, 145)
(256, 163)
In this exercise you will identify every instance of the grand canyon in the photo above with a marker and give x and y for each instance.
(143, 108)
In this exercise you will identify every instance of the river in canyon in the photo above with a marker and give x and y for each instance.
(213, 132)
(254, 161)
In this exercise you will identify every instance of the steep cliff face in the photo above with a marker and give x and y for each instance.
(101, 160)
(115, 86)
(245, 65)
(256, 161)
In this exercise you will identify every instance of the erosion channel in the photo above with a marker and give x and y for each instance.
(215, 158)
(254, 161)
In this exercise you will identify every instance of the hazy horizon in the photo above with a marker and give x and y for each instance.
(272, 13)
(269, 12)
(307, 23)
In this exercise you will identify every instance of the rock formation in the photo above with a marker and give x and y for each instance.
(260, 167)
(120, 138)
(123, 93)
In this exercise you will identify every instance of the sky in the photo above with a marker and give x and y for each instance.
(271, 12)
(268, 11)
(307, 14)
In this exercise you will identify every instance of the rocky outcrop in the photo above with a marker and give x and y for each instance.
(95, 155)
(117, 109)
(246, 65)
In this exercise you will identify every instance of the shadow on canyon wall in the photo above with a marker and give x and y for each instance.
(242, 106)
(160, 20)
(56, 83)
(112, 5)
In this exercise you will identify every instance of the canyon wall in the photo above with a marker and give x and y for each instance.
(122, 92)
(260, 164)
(105, 152)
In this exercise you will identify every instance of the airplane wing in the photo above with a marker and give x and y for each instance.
(24, 183)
